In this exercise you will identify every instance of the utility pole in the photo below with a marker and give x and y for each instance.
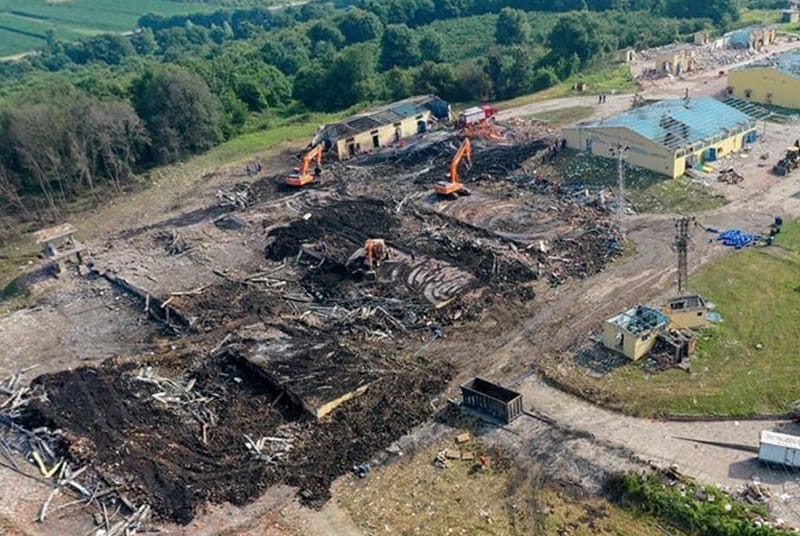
(681, 245)
(619, 152)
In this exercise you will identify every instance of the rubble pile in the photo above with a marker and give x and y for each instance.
(729, 176)
(305, 355)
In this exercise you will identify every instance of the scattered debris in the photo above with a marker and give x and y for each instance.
(729, 176)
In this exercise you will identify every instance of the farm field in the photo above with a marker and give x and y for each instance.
(24, 23)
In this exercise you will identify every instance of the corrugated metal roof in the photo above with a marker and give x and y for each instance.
(780, 440)
(787, 63)
(678, 123)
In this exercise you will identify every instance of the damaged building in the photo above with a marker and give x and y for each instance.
(668, 136)
(383, 126)
(634, 332)
(775, 81)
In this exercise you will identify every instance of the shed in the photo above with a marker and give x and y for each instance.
(689, 311)
(492, 399)
(782, 449)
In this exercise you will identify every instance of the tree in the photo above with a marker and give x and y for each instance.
(575, 34)
(180, 112)
(358, 25)
(431, 44)
(324, 31)
(513, 27)
(398, 83)
(144, 42)
(352, 79)
(471, 83)
(399, 47)
(67, 144)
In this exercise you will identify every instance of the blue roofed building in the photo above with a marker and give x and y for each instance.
(775, 81)
(668, 136)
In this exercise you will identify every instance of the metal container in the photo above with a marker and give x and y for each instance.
(781, 449)
(492, 400)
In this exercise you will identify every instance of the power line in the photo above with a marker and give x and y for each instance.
(620, 152)
(681, 246)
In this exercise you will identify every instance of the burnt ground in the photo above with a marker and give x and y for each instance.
(157, 454)
(293, 330)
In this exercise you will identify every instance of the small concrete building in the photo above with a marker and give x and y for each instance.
(626, 55)
(668, 136)
(790, 15)
(676, 61)
(752, 38)
(634, 332)
(383, 126)
(689, 311)
(703, 37)
(773, 81)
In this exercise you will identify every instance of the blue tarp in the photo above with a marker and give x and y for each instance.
(737, 238)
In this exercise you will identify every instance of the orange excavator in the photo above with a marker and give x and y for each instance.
(302, 176)
(373, 253)
(454, 185)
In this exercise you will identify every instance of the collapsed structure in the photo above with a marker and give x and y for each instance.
(669, 136)
(774, 81)
(291, 349)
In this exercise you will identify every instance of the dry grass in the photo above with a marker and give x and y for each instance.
(412, 496)
(591, 516)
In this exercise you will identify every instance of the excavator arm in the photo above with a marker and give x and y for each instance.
(302, 176)
(453, 185)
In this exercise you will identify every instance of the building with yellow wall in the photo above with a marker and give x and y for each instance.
(668, 136)
(774, 81)
(383, 126)
(634, 332)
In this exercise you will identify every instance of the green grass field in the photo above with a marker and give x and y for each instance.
(24, 23)
(757, 291)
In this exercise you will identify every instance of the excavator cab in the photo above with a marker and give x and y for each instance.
(371, 255)
(453, 185)
(302, 176)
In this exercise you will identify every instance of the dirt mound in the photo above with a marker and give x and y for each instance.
(343, 226)
(228, 302)
(157, 453)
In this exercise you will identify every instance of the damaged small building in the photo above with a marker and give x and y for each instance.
(634, 332)
(383, 126)
(774, 81)
(668, 136)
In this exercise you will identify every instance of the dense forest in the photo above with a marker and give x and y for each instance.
(77, 115)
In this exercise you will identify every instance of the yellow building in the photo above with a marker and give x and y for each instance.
(634, 332)
(774, 81)
(668, 136)
(689, 311)
(383, 126)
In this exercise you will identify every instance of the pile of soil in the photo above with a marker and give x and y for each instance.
(110, 420)
(343, 226)
(226, 303)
